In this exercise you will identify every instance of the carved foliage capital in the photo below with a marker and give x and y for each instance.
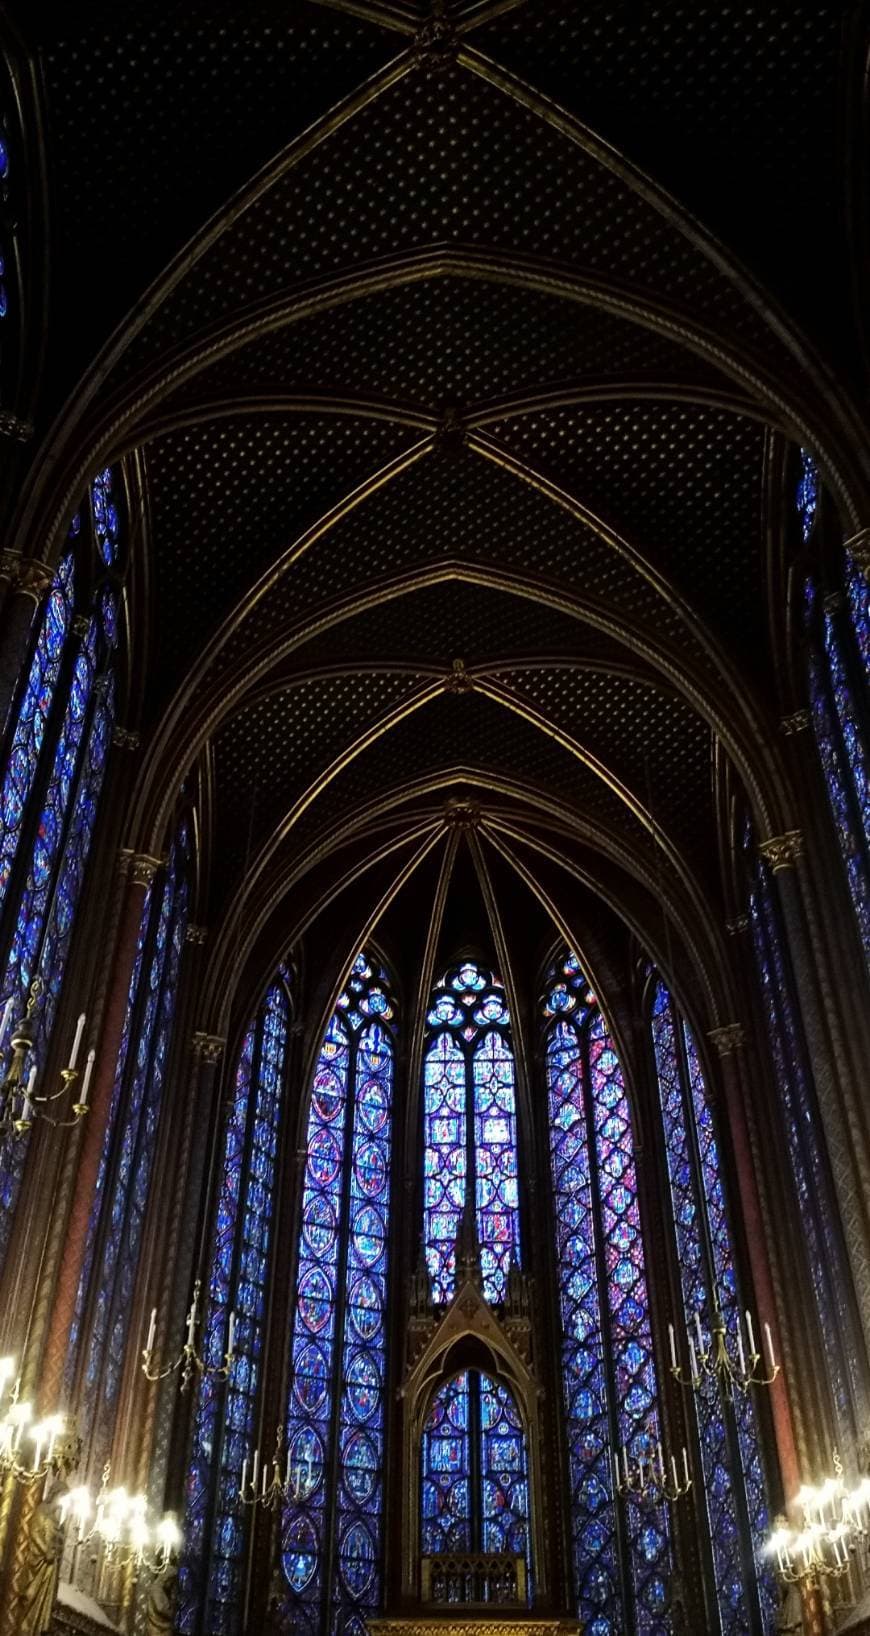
(727, 1039)
(196, 934)
(26, 574)
(797, 722)
(208, 1047)
(142, 868)
(739, 924)
(782, 851)
(21, 431)
(124, 739)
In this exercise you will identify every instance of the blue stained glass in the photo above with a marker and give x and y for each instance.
(336, 1407)
(446, 1471)
(105, 515)
(33, 712)
(495, 1139)
(445, 1158)
(470, 1132)
(36, 894)
(693, 1195)
(858, 592)
(125, 1205)
(807, 493)
(828, 1268)
(503, 1472)
(238, 1282)
(108, 1145)
(636, 1387)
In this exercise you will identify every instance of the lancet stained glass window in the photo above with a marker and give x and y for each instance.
(211, 1569)
(727, 1431)
(332, 1526)
(474, 1476)
(622, 1564)
(58, 739)
(470, 1128)
(827, 1263)
(838, 631)
(129, 1149)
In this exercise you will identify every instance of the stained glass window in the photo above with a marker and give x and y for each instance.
(211, 1570)
(727, 1430)
(332, 1526)
(474, 1478)
(807, 496)
(621, 1564)
(58, 740)
(470, 1128)
(838, 631)
(827, 1268)
(129, 1148)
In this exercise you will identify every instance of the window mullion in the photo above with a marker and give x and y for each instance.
(622, 1543)
(329, 1558)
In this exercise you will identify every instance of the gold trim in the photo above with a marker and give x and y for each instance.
(782, 851)
(142, 868)
(797, 722)
(196, 934)
(209, 1048)
(727, 1039)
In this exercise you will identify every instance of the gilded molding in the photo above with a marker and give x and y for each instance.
(26, 574)
(197, 935)
(208, 1047)
(739, 924)
(522, 1625)
(782, 851)
(124, 738)
(142, 868)
(797, 722)
(462, 813)
(12, 426)
(730, 1037)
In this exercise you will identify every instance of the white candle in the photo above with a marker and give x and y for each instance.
(31, 1081)
(751, 1333)
(74, 1054)
(661, 1462)
(86, 1082)
(191, 1323)
(244, 1475)
(673, 1345)
(231, 1335)
(770, 1351)
(692, 1361)
(265, 1478)
(625, 1461)
(152, 1331)
(256, 1471)
(740, 1356)
(37, 1454)
(615, 1471)
(640, 1473)
(4, 1020)
(699, 1334)
(676, 1480)
(685, 1466)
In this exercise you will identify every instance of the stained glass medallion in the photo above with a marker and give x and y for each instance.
(469, 1128)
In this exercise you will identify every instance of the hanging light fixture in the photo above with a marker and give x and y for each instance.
(834, 1525)
(188, 1359)
(20, 1103)
(650, 1478)
(735, 1367)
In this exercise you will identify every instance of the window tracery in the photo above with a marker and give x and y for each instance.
(58, 738)
(733, 1485)
(211, 1570)
(470, 1129)
(621, 1562)
(332, 1527)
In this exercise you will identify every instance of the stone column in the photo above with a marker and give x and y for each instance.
(28, 583)
(728, 1041)
(844, 1129)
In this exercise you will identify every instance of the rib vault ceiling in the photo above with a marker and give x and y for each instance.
(459, 359)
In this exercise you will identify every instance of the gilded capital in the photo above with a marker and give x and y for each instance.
(727, 1039)
(196, 934)
(16, 428)
(782, 851)
(27, 574)
(124, 739)
(208, 1047)
(461, 814)
(142, 868)
(739, 924)
(797, 722)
